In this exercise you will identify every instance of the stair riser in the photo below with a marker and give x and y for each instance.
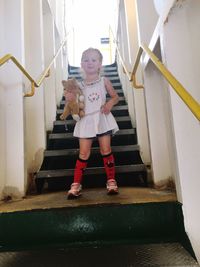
(111, 67)
(121, 102)
(69, 161)
(119, 92)
(118, 113)
(97, 181)
(70, 127)
(73, 142)
(112, 78)
(95, 226)
(109, 74)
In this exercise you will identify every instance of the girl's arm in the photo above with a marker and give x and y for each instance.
(106, 108)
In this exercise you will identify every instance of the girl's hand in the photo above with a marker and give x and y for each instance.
(106, 108)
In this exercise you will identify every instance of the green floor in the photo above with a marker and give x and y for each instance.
(138, 227)
(151, 255)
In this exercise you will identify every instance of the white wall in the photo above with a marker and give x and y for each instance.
(2, 106)
(182, 58)
(60, 68)
(50, 83)
(128, 36)
(136, 96)
(157, 125)
(147, 20)
(34, 106)
(12, 128)
(3, 137)
(124, 49)
(24, 121)
(57, 9)
(160, 129)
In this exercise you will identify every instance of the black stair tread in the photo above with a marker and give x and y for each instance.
(116, 84)
(70, 135)
(169, 254)
(112, 73)
(114, 80)
(111, 78)
(90, 170)
(104, 69)
(74, 151)
(115, 108)
(119, 91)
(121, 98)
(118, 119)
(61, 135)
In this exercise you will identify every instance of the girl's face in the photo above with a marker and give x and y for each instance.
(91, 63)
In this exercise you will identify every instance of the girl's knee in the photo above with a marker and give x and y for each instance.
(84, 155)
(105, 151)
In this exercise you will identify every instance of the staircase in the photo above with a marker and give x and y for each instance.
(139, 227)
(62, 149)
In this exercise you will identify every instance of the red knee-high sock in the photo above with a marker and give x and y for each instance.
(109, 164)
(81, 165)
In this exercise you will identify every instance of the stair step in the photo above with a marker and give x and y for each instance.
(118, 119)
(104, 69)
(161, 254)
(116, 85)
(116, 111)
(118, 90)
(121, 107)
(109, 74)
(94, 177)
(94, 150)
(70, 135)
(66, 158)
(67, 140)
(124, 122)
(90, 170)
(88, 226)
(111, 78)
(121, 99)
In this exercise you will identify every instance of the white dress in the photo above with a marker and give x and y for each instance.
(94, 122)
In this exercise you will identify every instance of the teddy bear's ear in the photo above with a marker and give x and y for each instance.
(74, 81)
(64, 83)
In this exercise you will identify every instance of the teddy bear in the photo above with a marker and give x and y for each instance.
(74, 107)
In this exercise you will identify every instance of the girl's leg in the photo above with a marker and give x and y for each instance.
(81, 164)
(109, 163)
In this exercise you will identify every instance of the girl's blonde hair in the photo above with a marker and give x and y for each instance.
(91, 49)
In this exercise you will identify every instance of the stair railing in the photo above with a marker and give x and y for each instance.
(45, 74)
(187, 98)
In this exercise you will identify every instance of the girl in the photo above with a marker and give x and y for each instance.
(97, 122)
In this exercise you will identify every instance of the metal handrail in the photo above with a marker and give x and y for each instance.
(191, 103)
(130, 75)
(187, 98)
(45, 73)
